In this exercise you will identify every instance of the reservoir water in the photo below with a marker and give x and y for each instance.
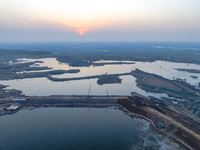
(79, 129)
(68, 129)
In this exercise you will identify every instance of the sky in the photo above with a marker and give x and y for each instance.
(99, 20)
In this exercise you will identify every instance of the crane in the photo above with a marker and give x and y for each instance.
(89, 90)
(108, 96)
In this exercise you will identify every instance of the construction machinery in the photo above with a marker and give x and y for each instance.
(89, 90)
(108, 96)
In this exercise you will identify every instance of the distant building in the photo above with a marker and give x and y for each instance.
(14, 106)
(19, 99)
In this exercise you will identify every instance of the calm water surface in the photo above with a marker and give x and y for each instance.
(68, 129)
(45, 87)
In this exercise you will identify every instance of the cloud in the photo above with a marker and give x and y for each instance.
(86, 18)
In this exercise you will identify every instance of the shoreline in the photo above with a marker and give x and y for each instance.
(56, 101)
(131, 114)
(96, 104)
(82, 101)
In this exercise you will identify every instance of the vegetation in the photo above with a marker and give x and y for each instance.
(4, 93)
(110, 76)
(108, 79)
(194, 77)
(84, 53)
(157, 84)
(189, 70)
(13, 55)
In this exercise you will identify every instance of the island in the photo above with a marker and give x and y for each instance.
(188, 70)
(108, 79)
(177, 115)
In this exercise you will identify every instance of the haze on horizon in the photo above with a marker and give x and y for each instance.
(95, 20)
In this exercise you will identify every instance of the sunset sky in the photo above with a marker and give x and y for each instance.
(99, 20)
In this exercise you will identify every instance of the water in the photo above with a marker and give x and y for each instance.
(45, 87)
(68, 128)
(79, 128)
(162, 68)
(167, 70)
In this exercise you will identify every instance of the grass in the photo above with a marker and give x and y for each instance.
(148, 86)
(184, 94)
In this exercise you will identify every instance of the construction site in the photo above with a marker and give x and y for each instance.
(150, 109)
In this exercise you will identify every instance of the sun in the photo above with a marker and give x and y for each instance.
(82, 31)
(82, 16)
(79, 16)
(81, 25)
